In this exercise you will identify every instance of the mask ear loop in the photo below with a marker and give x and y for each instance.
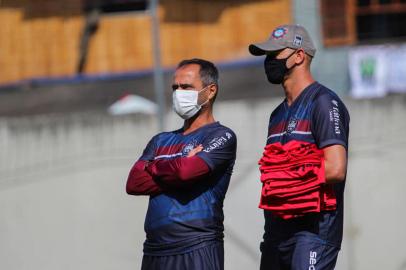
(208, 99)
(204, 88)
(290, 69)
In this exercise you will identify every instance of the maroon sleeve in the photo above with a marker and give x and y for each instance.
(178, 171)
(140, 182)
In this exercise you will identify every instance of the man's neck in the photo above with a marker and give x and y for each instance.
(203, 118)
(295, 84)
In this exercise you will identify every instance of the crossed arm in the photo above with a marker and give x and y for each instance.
(152, 178)
(140, 182)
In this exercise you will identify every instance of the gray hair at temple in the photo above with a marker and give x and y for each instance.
(208, 71)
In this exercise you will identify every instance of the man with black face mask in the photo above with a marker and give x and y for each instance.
(304, 164)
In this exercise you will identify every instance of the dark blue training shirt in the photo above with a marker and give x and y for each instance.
(317, 116)
(183, 219)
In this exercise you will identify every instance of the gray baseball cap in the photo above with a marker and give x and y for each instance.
(292, 36)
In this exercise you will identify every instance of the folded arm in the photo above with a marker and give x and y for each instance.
(178, 171)
(140, 182)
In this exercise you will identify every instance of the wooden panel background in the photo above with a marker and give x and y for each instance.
(40, 38)
(338, 22)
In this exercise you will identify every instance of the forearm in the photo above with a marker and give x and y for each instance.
(335, 164)
(140, 182)
(179, 171)
(334, 174)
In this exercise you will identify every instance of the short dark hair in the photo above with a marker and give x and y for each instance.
(208, 71)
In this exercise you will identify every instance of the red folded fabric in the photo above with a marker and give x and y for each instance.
(293, 180)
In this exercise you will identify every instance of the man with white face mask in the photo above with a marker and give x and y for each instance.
(186, 172)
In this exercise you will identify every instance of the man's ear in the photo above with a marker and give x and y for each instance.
(212, 91)
(300, 57)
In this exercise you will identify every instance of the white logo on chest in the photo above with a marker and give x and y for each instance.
(291, 125)
(189, 147)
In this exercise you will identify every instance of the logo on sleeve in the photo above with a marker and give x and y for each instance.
(217, 142)
(335, 116)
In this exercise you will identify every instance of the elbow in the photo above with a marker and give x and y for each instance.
(132, 181)
(336, 176)
(339, 177)
(130, 190)
(132, 186)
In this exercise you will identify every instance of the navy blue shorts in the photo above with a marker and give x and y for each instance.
(210, 257)
(298, 253)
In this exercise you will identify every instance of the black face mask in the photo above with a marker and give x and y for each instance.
(275, 69)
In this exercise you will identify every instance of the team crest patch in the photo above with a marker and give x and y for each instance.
(279, 32)
(188, 147)
(291, 125)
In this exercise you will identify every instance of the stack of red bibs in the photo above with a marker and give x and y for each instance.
(294, 180)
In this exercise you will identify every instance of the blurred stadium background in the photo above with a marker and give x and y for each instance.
(65, 151)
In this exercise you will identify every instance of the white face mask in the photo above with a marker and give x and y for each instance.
(185, 102)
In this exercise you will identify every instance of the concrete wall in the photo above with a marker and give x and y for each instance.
(63, 204)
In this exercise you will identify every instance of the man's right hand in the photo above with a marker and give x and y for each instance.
(195, 150)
